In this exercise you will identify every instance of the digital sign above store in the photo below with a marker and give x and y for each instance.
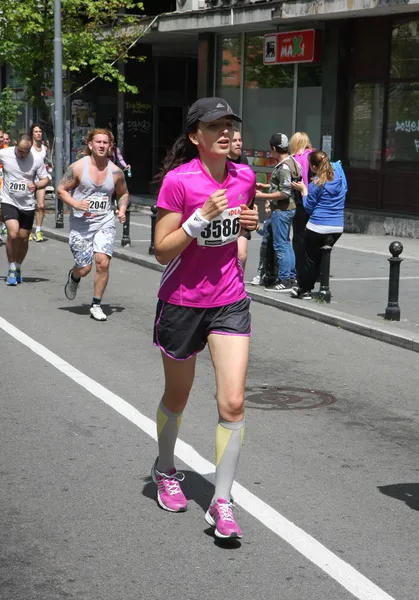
(292, 47)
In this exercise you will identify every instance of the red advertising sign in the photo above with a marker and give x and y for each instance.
(292, 47)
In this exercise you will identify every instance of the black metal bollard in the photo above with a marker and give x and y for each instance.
(153, 229)
(126, 240)
(59, 213)
(325, 273)
(393, 309)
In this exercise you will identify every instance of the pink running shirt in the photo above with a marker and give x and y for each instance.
(207, 273)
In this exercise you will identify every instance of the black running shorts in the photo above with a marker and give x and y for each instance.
(182, 331)
(25, 217)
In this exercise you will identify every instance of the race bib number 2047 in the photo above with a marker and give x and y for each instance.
(222, 230)
(98, 204)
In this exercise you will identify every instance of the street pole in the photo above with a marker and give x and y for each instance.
(58, 111)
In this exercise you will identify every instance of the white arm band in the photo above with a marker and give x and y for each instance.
(195, 224)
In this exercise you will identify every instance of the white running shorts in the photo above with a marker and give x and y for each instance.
(85, 245)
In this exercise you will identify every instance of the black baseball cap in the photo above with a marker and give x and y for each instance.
(209, 110)
(279, 141)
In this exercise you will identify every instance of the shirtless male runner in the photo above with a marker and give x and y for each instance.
(87, 187)
(39, 149)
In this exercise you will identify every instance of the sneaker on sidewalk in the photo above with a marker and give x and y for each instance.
(169, 493)
(39, 237)
(220, 515)
(284, 285)
(11, 277)
(300, 294)
(31, 237)
(19, 278)
(70, 288)
(257, 280)
(97, 313)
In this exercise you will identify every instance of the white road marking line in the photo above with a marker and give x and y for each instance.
(140, 224)
(333, 279)
(348, 577)
(346, 246)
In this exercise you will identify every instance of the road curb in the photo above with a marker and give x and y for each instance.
(408, 340)
(127, 255)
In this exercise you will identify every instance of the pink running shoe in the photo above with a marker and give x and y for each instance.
(220, 515)
(169, 493)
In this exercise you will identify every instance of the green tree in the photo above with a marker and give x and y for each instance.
(94, 34)
(9, 110)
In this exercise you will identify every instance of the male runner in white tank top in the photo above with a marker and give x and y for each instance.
(39, 149)
(87, 187)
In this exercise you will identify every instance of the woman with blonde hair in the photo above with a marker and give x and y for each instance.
(300, 149)
(324, 202)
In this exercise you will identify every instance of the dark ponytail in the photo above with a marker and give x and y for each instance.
(181, 152)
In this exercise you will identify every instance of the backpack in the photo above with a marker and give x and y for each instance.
(296, 175)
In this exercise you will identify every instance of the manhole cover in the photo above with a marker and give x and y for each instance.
(267, 397)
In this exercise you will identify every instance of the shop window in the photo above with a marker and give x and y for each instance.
(402, 139)
(309, 102)
(365, 131)
(403, 124)
(405, 51)
(268, 96)
(229, 70)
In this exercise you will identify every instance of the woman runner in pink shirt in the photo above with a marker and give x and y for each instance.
(202, 207)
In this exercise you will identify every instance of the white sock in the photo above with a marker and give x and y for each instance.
(12, 266)
(18, 265)
(38, 228)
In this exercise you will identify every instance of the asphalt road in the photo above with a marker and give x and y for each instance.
(327, 489)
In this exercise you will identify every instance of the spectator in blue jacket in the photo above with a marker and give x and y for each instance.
(324, 202)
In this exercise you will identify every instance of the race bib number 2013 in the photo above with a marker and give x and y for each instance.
(222, 230)
(17, 186)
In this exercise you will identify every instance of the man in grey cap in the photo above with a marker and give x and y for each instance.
(282, 203)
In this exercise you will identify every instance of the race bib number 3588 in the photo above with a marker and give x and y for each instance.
(222, 230)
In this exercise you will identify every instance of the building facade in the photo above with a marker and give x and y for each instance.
(344, 71)
(347, 73)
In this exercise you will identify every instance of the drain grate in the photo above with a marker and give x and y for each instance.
(270, 397)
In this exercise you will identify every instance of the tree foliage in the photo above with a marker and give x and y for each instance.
(9, 109)
(94, 34)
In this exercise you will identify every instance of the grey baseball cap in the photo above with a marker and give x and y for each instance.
(279, 141)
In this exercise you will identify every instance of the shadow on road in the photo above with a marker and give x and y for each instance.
(407, 492)
(84, 309)
(26, 280)
(199, 490)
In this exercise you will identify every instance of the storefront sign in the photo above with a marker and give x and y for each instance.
(292, 47)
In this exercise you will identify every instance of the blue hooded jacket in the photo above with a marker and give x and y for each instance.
(325, 204)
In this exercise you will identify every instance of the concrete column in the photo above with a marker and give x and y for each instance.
(206, 60)
(334, 60)
(120, 112)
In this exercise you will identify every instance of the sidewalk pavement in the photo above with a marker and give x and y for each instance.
(359, 281)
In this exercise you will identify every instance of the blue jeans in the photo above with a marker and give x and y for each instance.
(281, 226)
